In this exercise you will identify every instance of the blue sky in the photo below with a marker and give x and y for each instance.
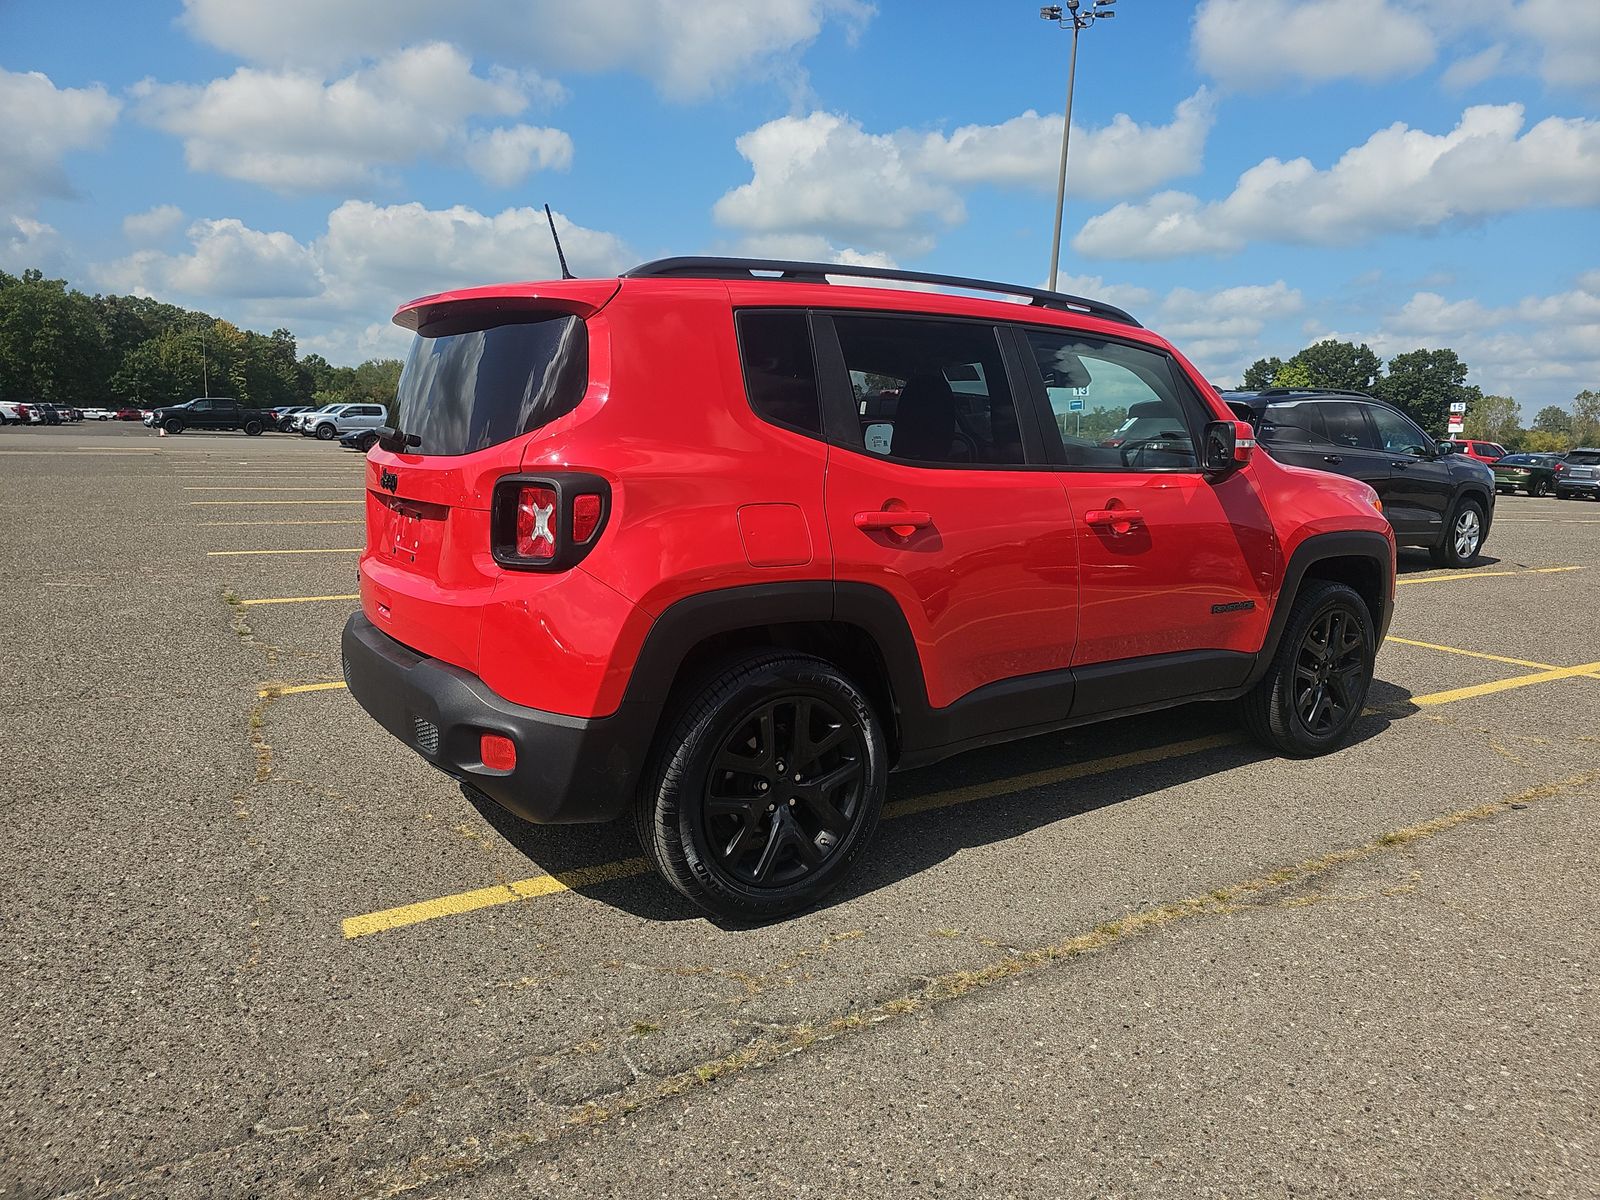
(1246, 175)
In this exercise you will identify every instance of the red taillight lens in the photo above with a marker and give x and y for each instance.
(537, 523)
(585, 517)
(499, 753)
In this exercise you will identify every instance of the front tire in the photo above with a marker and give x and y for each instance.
(172, 425)
(1463, 536)
(325, 433)
(767, 789)
(1314, 690)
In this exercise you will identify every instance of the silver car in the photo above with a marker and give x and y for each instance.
(1581, 476)
(328, 423)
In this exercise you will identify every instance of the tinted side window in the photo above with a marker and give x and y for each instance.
(780, 376)
(1118, 407)
(931, 391)
(1347, 426)
(1295, 423)
(1397, 434)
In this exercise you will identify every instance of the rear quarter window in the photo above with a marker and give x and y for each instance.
(780, 374)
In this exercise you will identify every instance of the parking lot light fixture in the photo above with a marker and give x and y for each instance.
(1074, 16)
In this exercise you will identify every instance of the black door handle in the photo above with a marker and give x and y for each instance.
(1332, 458)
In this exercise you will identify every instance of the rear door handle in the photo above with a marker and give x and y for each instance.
(895, 519)
(1113, 516)
(1332, 458)
(1401, 463)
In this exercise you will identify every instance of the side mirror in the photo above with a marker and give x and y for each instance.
(1228, 446)
(1444, 448)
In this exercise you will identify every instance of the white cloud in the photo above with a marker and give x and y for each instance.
(338, 289)
(26, 243)
(43, 124)
(1472, 70)
(1255, 44)
(505, 157)
(1123, 158)
(228, 260)
(156, 225)
(290, 130)
(825, 176)
(1220, 330)
(1400, 179)
(688, 48)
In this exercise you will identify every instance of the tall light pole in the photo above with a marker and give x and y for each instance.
(1072, 16)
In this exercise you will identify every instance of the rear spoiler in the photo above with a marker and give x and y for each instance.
(433, 315)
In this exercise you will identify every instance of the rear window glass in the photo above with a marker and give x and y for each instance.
(467, 391)
(1584, 458)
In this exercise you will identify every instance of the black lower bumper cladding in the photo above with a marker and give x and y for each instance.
(568, 769)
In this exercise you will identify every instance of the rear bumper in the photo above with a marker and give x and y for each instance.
(1579, 487)
(569, 769)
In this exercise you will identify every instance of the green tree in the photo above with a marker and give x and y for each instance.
(1496, 419)
(1344, 365)
(1260, 374)
(1586, 418)
(1292, 375)
(1424, 383)
(52, 342)
(1552, 418)
(1542, 441)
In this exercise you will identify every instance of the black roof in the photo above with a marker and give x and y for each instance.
(811, 272)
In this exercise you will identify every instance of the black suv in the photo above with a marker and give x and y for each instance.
(1433, 496)
(209, 412)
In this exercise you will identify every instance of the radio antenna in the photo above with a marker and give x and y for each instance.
(565, 274)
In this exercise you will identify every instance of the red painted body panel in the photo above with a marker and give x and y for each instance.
(1007, 578)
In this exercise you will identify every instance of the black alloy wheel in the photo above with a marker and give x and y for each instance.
(767, 788)
(1315, 687)
(1329, 673)
(783, 790)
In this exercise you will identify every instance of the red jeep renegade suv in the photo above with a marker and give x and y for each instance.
(720, 544)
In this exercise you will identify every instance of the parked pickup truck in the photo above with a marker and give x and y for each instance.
(208, 412)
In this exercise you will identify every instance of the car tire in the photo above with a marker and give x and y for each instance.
(172, 425)
(368, 441)
(1463, 535)
(1538, 488)
(726, 836)
(1323, 662)
(325, 433)
(252, 428)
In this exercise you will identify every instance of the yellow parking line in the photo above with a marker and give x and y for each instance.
(1483, 575)
(1515, 662)
(198, 503)
(1505, 685)
(302, 687)
(549, 885)
(274, 524)
(298, 599)
(244, 553)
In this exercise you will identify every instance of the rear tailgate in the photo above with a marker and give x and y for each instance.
(489, 367)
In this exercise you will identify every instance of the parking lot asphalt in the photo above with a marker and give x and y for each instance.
(255, 947)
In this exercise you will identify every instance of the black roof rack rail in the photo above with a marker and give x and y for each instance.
(1309, 391)
(810, 272)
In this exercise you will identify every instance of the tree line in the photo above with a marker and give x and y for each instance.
(60, 346)
(1423, 384)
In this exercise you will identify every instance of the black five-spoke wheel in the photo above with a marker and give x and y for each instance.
(767, 788)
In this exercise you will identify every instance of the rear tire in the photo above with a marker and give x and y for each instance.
(1538, 488)
(1314, 690)
(252, 428)
(1463, 536)
(766, 790)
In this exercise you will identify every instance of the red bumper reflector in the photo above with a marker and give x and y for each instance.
(585, 517)
(498, 753)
